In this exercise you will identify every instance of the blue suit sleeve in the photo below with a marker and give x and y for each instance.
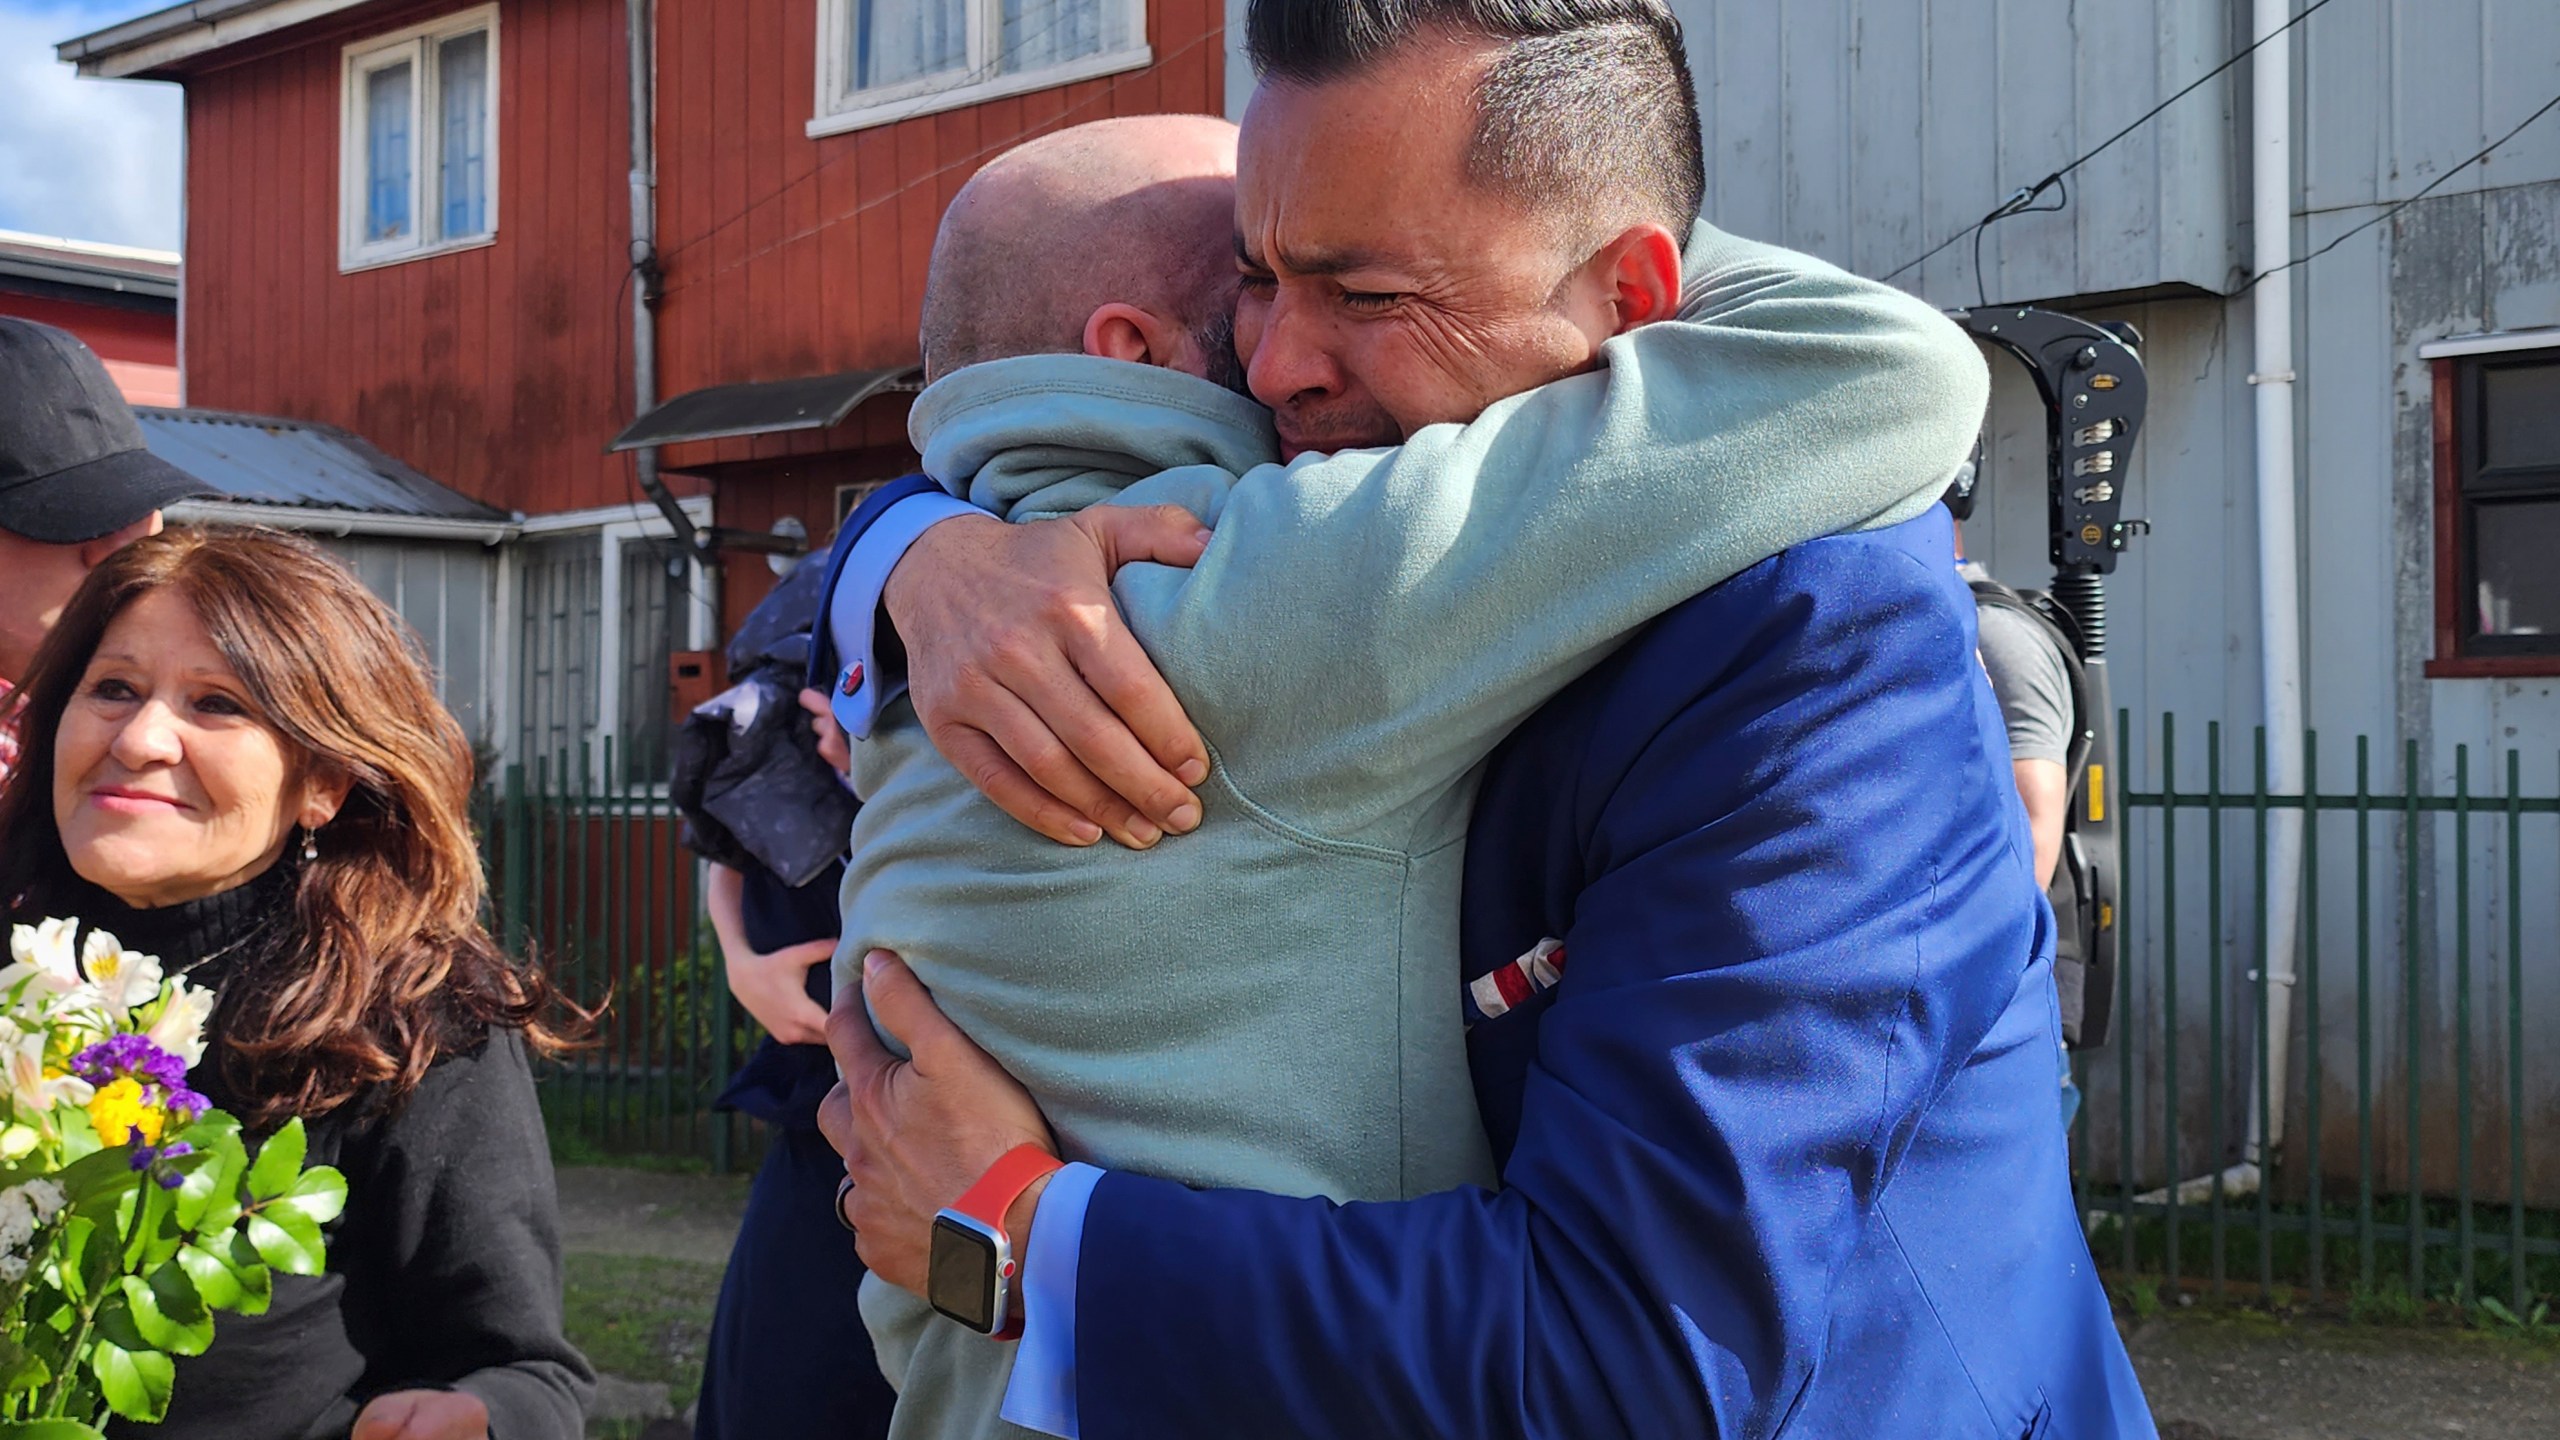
(845, 646)
(1042, 1393)
(1792, 919)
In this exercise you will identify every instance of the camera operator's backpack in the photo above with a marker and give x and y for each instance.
(2083, 892)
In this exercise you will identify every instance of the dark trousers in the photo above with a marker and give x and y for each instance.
(788, 1354)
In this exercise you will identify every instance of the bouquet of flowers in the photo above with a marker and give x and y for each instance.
(130, 1209)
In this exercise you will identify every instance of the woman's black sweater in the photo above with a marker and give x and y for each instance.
(444, 1271)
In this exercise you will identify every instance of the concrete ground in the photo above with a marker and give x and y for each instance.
(645, 1250)
(2241, 1376)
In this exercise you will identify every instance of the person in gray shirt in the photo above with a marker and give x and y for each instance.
(2033, 683)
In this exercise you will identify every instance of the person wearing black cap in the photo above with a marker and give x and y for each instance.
(76, 485)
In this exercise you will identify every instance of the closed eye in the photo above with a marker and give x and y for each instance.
(1370, 301)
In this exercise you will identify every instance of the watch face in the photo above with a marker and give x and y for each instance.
(960, 1275)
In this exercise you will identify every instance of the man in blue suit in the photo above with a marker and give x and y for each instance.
(1761, 1015)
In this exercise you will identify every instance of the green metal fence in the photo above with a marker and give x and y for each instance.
(588, 873)
(2419, 1162)
(2422, 1155)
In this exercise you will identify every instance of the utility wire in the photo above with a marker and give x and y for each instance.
(2548, 106)
(2022, 201)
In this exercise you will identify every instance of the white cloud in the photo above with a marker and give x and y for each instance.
(91, 159)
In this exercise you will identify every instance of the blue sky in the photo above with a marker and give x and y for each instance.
(91, 159)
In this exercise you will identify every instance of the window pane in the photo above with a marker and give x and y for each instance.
(2522, 426)
(463, 74)
(387, 93)
(2519, 586)
(1041, 33)
(895, 41)
(559, 609)
(656, 610)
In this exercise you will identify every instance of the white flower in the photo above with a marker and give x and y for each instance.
(17, 1220)
(31, 1090)
(45, 1197)
(125, 978)
(178, 1027)
(41, 953)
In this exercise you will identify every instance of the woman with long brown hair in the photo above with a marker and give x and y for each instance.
(234, 759)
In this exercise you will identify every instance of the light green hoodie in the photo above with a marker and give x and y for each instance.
(1272, 1002)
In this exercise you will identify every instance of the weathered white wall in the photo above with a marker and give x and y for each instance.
(1865, 131)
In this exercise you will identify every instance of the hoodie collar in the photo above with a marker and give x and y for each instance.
(1052, 434)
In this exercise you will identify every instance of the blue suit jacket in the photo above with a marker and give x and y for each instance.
(1782, 1150)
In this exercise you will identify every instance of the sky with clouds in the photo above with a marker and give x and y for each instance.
(90, 159)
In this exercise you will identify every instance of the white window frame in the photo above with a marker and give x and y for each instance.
(840, 109)
(417, 45)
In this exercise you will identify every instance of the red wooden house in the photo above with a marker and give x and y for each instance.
(121, 301)
(418, 220)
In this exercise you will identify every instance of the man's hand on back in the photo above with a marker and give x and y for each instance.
(1027, 679)
(915, 1134)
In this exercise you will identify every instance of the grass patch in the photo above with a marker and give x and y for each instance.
(644, 1319)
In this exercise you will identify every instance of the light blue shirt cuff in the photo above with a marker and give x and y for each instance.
(1042, 1393)
(861, 691)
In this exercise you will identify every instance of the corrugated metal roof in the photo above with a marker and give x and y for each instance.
(263, 460)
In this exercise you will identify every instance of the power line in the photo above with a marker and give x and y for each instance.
(2548, 106)
(2022, 201)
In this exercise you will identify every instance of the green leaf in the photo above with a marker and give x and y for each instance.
(47, 1430)
(210, 1128)
(167, 1311)
(212, 1276)
(99, 1176)
(317, 1195)
(135, 1381)
(278, 1162)
(71, 1256)
(210, 1175)
(287, 1241)
(257, 1287)
(223, 1200)
(20, 1370)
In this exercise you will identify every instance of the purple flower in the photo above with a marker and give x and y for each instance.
(134, 1055)
(144, 1157)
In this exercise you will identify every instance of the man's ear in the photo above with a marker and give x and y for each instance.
(1120, 331)
(1641, 272)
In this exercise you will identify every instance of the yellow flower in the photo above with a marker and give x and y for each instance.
(117, 1110)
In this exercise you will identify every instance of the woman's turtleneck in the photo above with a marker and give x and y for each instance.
(205, 936)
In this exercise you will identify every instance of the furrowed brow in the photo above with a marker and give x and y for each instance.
(1318, 261)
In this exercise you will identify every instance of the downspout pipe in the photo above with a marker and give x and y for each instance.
(2279, 549)
(643, 260)
(2279, 595)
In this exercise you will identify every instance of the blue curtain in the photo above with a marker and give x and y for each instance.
(895, 41)
(462, 75)
(1041, 33)
(387, 96)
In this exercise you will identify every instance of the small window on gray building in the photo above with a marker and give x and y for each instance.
(2498, 501)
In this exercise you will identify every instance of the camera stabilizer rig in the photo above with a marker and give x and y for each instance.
(2094, 389)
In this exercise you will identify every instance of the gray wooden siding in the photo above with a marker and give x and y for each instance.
(448, 593)
(1865, 131)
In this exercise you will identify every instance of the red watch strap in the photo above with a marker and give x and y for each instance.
(1004, 1182)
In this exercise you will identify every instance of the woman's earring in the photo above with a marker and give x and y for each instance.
(310, 844)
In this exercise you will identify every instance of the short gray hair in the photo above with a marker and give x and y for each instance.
(1585, 96)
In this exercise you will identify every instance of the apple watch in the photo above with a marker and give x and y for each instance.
(970, 1269)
